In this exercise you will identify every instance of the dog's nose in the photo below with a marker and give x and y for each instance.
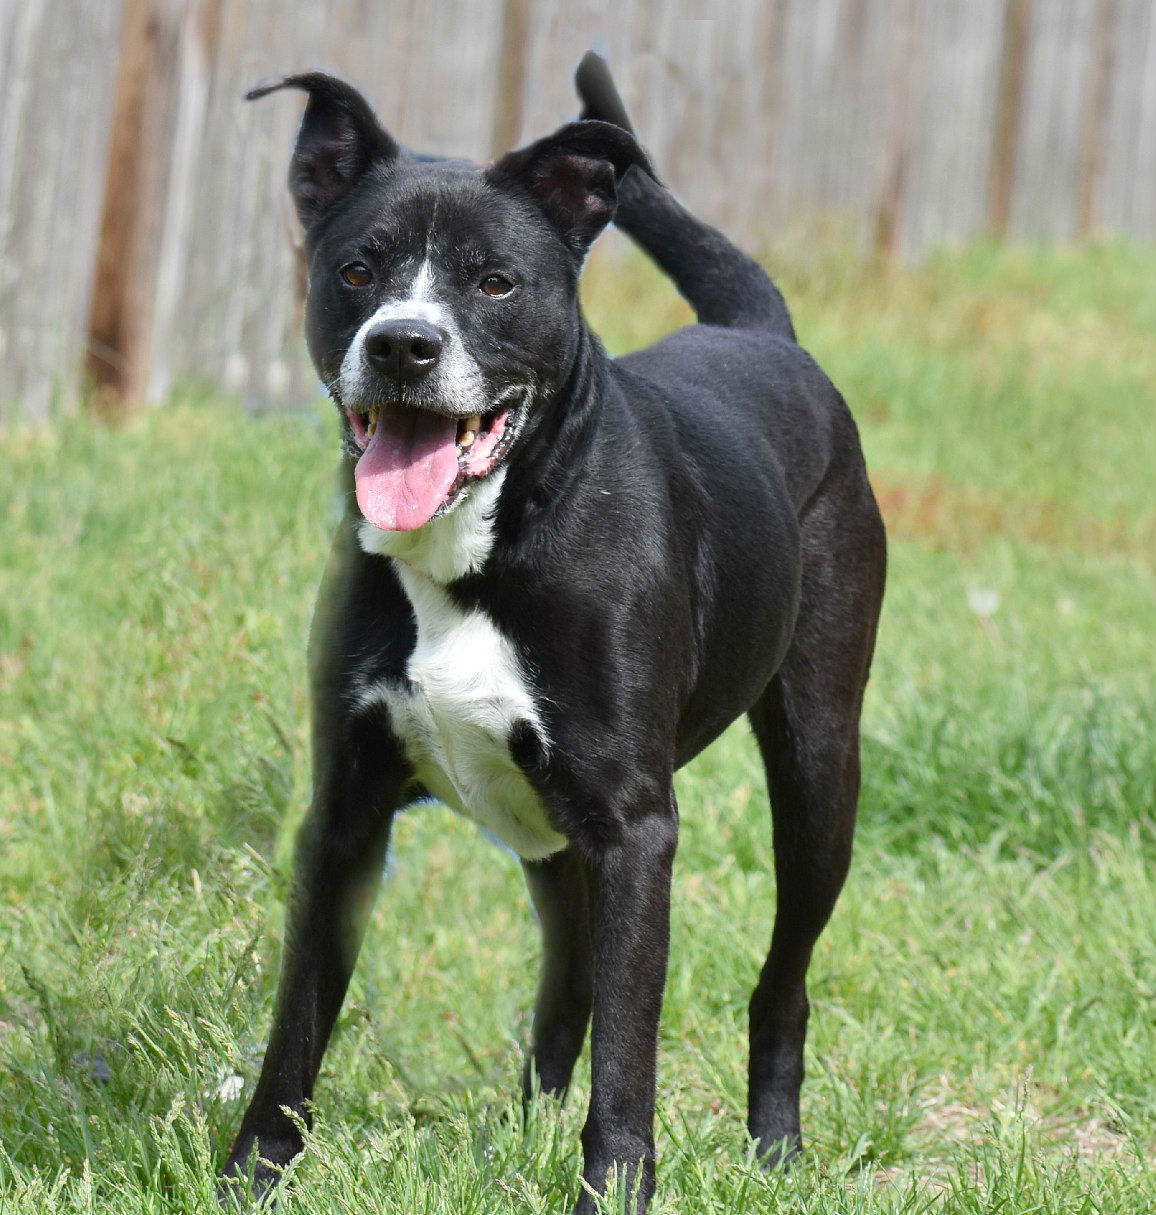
(405, 349)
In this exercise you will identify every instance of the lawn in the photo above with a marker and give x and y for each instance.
(984, 1026)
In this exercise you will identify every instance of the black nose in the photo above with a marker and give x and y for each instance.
(405, 350)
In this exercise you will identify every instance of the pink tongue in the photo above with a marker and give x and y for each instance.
(408, 469)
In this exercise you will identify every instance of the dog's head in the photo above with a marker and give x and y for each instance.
(442, 303)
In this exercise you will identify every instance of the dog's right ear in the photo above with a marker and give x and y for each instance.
(339, 140)
(573, 177)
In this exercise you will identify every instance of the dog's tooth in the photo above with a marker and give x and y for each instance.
(469, 430)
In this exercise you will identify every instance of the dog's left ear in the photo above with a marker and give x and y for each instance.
(338, 142)
(573, 177)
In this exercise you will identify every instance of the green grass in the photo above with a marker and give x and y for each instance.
(984, 1021)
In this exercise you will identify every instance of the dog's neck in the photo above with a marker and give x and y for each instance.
(550, 455)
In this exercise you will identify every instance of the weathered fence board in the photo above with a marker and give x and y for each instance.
(906, 122)
(55, 99)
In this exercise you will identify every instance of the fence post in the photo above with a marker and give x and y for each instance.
(903, 52)
(1008, 116)
(1093, 130)
(120, 311)
(512, 76)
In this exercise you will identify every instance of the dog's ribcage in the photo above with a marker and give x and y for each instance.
(466, 691)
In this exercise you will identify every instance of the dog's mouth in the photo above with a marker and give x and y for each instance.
(416, 463)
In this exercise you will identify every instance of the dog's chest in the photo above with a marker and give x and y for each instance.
(465, 692)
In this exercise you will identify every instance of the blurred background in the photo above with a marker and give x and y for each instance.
(958, 198)
(147, 242)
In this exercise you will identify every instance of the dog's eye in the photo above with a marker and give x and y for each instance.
(495, 284)
(356, 274)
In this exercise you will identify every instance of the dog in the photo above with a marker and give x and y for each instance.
(559, 576)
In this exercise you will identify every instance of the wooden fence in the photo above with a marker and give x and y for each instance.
(146, 238)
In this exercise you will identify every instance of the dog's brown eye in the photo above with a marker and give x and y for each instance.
(495, 284)
(357, 274)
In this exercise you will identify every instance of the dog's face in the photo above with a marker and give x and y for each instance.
(442, 302)
(437, 313)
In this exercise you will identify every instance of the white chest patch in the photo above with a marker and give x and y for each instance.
(466, 692)
(448, 547)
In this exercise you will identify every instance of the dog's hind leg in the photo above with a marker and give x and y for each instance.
(559, 887)
(807, 727)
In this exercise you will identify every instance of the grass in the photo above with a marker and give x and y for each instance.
(985, 998)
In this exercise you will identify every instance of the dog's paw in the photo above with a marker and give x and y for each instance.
(249, 1187)
(778, 1153)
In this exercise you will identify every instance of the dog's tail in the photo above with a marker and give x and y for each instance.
(721, 284)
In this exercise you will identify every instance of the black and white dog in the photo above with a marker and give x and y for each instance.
(559, 577)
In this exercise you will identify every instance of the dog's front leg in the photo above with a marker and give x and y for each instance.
(631, 896)
(559, 888)
(340, 854)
